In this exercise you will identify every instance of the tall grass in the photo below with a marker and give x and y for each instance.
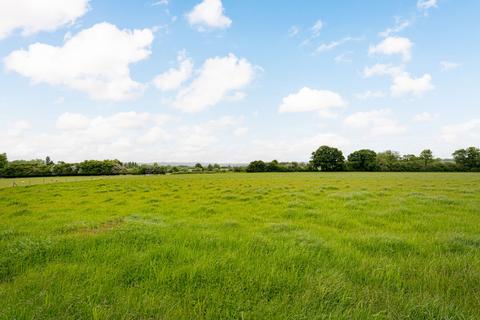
(239, 246)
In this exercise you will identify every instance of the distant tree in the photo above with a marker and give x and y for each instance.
(48, 161)
(199, 166)
(426, 156)
(388, 160)
(3, 160)
(363, 160)
(327, 158)
(64, 169)
(95, 167)
(467, 159)
(210, 167)
(256, 166)
(273, 166)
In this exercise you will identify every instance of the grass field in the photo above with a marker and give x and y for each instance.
(240, 246)
(21, 182)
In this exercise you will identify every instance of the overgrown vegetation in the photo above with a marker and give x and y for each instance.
(243, 246)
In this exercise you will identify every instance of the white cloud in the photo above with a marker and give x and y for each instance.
(402, 82)
(424, 117)
(405, 84)
(33, 16)
(174, 78)
(95, 61)
(467, 133)
(317, 28)
(446, 66)
(72, 121)
(293, 31)
(370, 95)
(240, 132)
(426, 4)
(344, 57)
(376, 122)
(209, 14)
(153, 135)
(311, 100)
(393, 46)
(399, 26)
(160, 3)
(217, 78)
(18, 127)
(382, 70)
(332, 45)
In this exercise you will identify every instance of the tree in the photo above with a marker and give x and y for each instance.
(199, 167)
(48, 161)
(3, 160)
(327, 158)
(273, 166)
(388, 160)
(256, 166)
(363, 160)
(467, 159)
(426, 156)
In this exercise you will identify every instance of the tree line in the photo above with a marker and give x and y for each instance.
(45, 168)
(325, 158)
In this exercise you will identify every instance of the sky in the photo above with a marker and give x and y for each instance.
(231, 81)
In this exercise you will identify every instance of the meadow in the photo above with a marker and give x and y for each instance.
(243, 246)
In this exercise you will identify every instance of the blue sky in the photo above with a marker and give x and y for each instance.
(234, 81)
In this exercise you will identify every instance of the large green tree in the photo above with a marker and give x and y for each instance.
(363, 160)
(328, 158)
(468, 159)
(257, 166)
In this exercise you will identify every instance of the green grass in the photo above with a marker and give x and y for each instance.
(21, 182)
(240, 246)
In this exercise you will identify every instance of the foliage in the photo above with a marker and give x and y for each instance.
(3, 160)
(468, 159)
(362, 160)
(327, 158)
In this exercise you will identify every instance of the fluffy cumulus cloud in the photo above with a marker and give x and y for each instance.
(209, 14)
(220, 78)
(174, 78)
(375, 122)
(95, 61)
(403, 84)
(32, 16)
(462, 134)
(393, 46)
(310, 100)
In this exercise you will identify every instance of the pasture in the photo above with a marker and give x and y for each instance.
(243, 246)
